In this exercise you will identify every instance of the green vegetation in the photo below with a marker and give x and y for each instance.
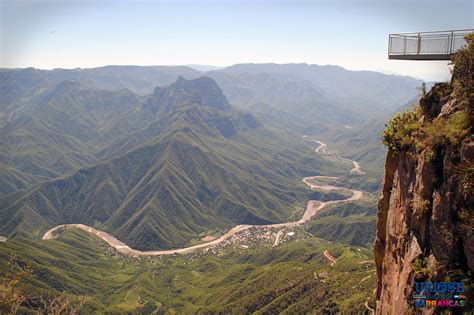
(404, 131)
(356, 230)
(466, 182)
(450, 130)
(462, 72)
(362, 143)
(349, 223)
(190, 167)
(401, 130)
(235, 281)
(322, 195)
(421, 269)
(369, 182)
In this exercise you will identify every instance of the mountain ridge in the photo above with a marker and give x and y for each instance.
(183, 168)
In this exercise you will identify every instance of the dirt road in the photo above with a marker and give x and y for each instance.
(356, 168)
(332, 260)
(322, 149)
(277, 238)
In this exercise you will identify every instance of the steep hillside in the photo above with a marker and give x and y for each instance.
(206, 166)
(362, 142)
(425, 215)
(319, 96)
(54, 122)
(60, 129)
(332, 92)
(67, 126)
(329, 102)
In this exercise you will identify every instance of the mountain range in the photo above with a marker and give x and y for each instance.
(158, 155)
(155, 170)
(299, 96)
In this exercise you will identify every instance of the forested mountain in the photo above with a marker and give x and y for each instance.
(55, 122)
(302, 89)
(315, 94)
(362, 142)
(58, 130)
(196, 164)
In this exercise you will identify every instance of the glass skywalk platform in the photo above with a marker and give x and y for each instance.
(426, 45)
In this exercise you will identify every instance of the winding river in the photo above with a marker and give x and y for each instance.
(312, 208)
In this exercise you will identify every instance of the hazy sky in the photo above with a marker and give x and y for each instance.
(352, 34)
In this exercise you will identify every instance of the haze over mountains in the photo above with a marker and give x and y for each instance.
(287, 87)
(309, 93)
(159, 154)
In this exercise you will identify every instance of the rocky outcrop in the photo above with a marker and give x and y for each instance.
(201, 91)
(425, 218)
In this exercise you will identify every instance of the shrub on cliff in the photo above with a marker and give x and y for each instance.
(463, 76)
(446, 130)
(401, 130)
(463, 70)
(419, 204)
(421, 269)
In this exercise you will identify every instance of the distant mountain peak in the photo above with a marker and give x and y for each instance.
(201, 91)
(209, 92)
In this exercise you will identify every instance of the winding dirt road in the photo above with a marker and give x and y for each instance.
(332, 260)
(322, 148)
(312, 208)
(277, 238)
(356, 168)
(371, 310)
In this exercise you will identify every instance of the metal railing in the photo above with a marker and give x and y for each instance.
(426, 45)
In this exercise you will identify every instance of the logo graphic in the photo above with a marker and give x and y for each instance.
(439, 294)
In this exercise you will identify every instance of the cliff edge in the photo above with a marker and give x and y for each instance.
(425, 217)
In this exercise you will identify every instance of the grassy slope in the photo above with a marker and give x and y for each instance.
(237, 281)
(352, 223)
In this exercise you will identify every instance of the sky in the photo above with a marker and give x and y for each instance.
(352, 34)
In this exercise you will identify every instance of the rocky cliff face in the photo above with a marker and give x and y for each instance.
(425, 219)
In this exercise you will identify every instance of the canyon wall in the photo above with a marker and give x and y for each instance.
(425, 218)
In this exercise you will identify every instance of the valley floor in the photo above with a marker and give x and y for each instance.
(312, 208)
